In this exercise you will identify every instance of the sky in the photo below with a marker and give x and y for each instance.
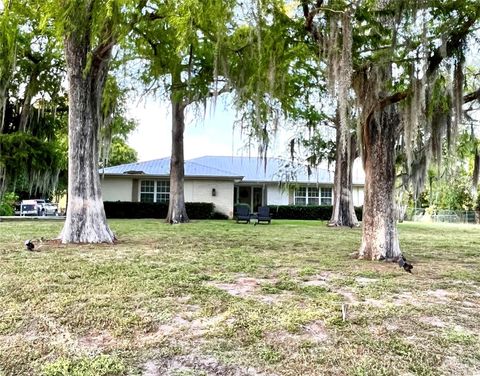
(209, 134)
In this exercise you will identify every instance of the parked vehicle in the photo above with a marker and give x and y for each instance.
(28, 207)
(38, 207)
(49, 209)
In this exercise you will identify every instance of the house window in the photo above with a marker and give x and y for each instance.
(147, 191)
(154, 191)
(301, 196)
(326, 196)
(306, 196)
(313, 196)
(163, 191)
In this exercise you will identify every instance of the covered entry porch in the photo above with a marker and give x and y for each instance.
(254, 195)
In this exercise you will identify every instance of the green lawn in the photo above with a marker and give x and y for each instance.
(219, 298)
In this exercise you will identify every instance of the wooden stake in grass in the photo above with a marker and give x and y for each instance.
(344, 312)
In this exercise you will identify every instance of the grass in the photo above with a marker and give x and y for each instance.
(219, 298)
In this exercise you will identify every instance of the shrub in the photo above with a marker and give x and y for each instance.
(240, 205)
(311, 212)
(199, 210)
(127, 209)
(206, 210)
(359, 212)
(218, 215)
(7, 204)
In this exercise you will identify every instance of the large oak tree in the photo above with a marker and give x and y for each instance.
(400, 54)
(90, 30)
(181, 43)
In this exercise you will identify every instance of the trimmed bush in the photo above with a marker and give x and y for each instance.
(240, 205)
(127, 209)
(199, 210)
(311, 212)
(359, 212)
(218, 215)
(206, 210)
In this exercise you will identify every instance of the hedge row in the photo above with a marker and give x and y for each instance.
(313, 212)
(126, 209)
(206, 210)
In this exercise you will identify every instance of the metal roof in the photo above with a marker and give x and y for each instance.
(161, 167)
(155, 167)
(252, 169)
(255, 169)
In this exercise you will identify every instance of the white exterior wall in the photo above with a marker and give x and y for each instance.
(358, 196)
(201, 191)
(276, 195)
(116, 189)
(120, 189)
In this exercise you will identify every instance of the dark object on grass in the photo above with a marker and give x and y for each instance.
(263, 214)
(243, 214)
(30, 246)
(402, 262)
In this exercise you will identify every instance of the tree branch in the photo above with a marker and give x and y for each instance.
(454, 42)
(225, 89)
(470, 97)
(152, 44)
(392, 99)
(309, 15)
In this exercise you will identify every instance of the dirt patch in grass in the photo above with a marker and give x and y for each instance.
(451, 365)
(242, 287)
(196, 365)
(98, 342)
(317, 331)
(252, 288)
(181, 328)
(433, 321)
(365, 281)
(440, 296)
(313, 332)
(317, 283)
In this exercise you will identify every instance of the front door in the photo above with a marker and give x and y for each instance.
(257, 198)
(253, 196)
(244, 196)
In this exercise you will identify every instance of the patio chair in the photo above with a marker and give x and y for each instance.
(243, 214)
(263, 214)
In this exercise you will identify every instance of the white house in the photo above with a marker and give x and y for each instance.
(225, 181)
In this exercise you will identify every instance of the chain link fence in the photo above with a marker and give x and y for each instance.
(442, 216)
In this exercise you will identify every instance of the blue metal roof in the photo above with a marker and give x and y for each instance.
(161, 167)
(252, 169)
(155, 167)
(255, 169)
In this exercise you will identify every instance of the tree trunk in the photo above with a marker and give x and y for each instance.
(343, 213)
(27, 105)
(476, 172)
(3, 106)
(380, 237)
(176, 207)
(86, 221)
